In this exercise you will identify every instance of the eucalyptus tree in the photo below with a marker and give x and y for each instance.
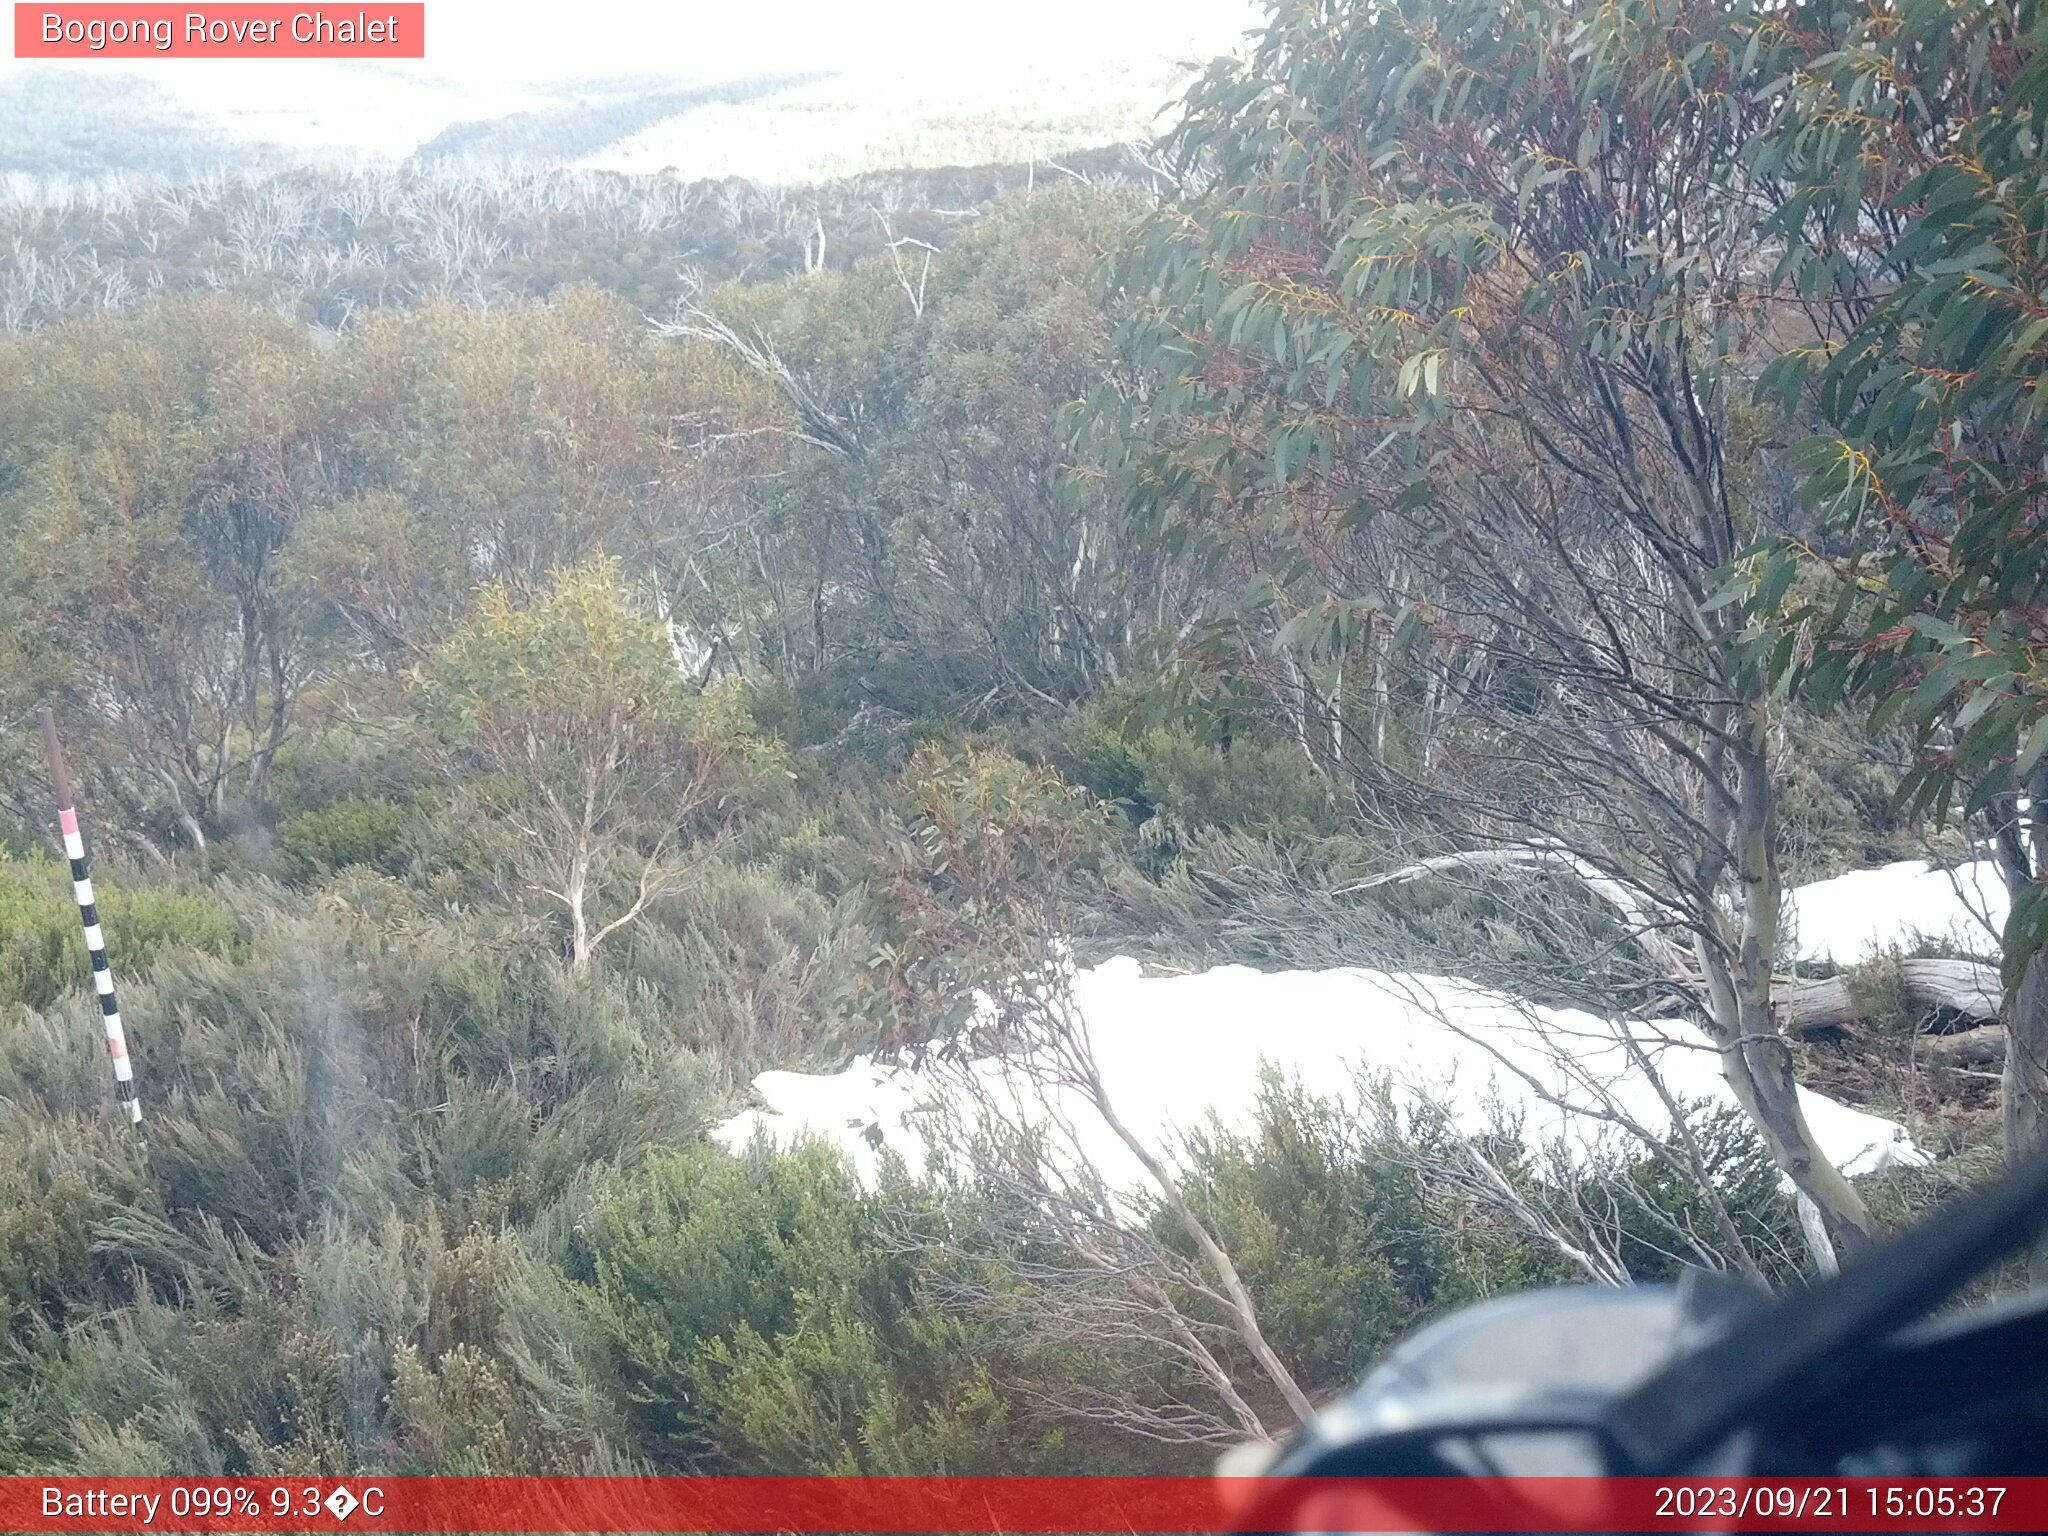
(914, 541)
(156, 472)
(587, 739)
(1436, 361)
(1915, 227)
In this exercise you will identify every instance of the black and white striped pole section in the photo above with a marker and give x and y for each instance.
(88, 910)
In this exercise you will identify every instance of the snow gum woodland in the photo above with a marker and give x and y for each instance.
(675, 769)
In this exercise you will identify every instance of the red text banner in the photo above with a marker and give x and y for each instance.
(1017, 1506)
(115, 31)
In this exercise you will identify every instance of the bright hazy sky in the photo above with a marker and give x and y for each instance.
(1058, 72)
(492, 43)
(532, 39)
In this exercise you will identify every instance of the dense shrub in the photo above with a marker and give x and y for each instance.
(351, 831)
(1332, 1220)
(703, 1255)
(61, 1190)
(1190, 770)
(42, 944)
(767, 1317)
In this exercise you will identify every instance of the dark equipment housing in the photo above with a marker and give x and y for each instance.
(1849, 1377)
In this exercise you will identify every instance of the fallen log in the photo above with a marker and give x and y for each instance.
(1971, 1048)
(1962, 991)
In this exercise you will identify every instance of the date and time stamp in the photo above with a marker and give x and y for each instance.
(1817, 1501)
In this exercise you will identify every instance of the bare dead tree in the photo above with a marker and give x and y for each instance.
(896, 248)
(836, 428)
(1057, 1261)
(1030, 1111)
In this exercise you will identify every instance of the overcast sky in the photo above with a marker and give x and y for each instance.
(490, 43)
(1049, 74)
(533, 39)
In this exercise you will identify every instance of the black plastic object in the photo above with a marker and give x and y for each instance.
(1711, 1377)
(1805, 1350)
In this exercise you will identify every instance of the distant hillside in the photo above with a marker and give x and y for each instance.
(328, 244)
(591, 118)
(82, 126)
(859, 120)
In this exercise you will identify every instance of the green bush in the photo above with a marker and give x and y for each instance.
(42, 943)
(1339, 1234)
(1660, 1206)
(701, 1248)
(767, 1319)
(1099, 757)
(58, 1189)
(795, 712)
(1255, 785)
(1119, 750)
(755, 967)
(351, 831)
(507, 1376)
(1349, 1233)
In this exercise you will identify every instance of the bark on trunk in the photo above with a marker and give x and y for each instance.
(2023, 1089)
(573, 896)
(2020, 840)
(1754, 1051)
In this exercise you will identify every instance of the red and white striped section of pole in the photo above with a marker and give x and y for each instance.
(88, 911)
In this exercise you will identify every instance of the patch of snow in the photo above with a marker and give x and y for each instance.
(1173, 1051)
(1871, 912)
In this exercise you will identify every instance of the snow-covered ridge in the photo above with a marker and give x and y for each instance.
(1175, 1051)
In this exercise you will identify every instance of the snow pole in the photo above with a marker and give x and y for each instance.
(88, 911)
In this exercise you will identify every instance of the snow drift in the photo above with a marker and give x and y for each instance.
(1180, 1053)
(1177, 1053)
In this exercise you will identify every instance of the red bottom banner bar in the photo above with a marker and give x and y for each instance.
(897, 1506)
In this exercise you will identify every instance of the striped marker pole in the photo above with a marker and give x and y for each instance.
(88, 910)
